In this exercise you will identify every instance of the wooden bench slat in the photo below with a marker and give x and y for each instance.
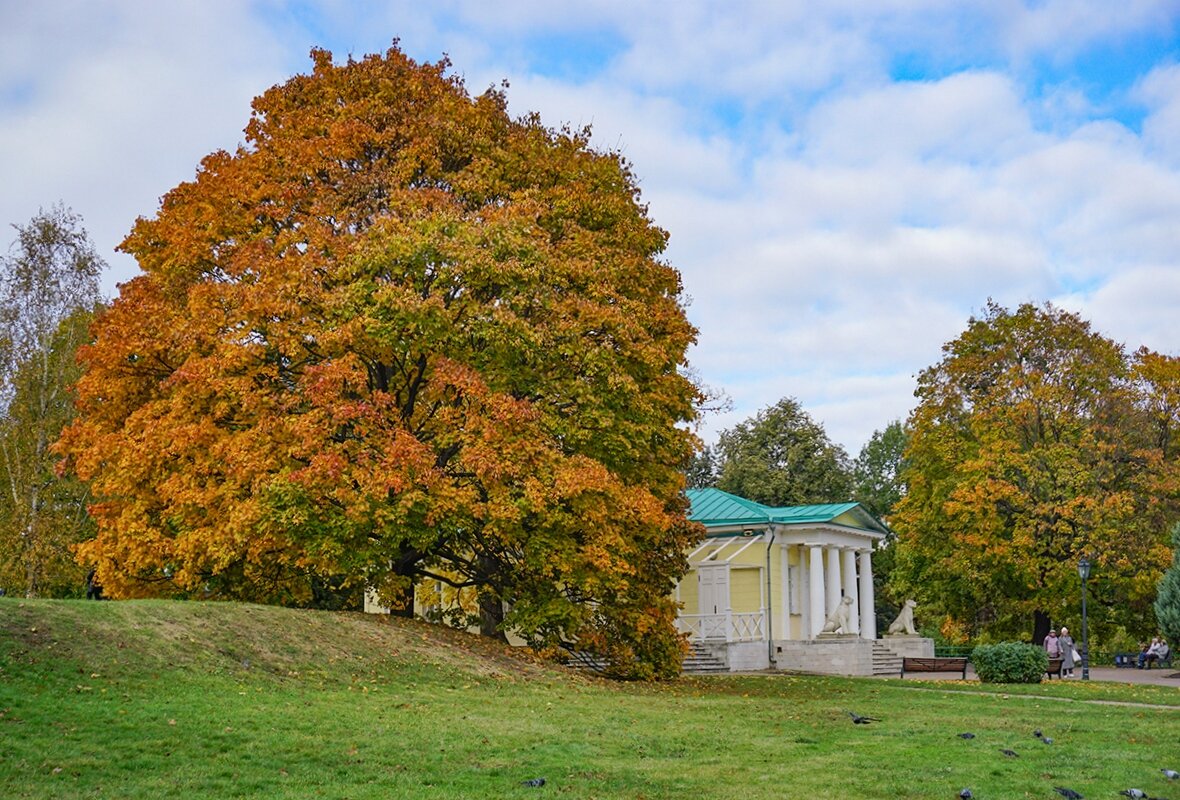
(935, 664)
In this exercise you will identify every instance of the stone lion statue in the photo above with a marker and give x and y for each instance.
(838, 619)
(905, 620)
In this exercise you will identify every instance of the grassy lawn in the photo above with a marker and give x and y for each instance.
(158, 700)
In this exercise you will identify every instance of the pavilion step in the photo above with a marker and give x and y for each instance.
(701, 661)
(885, 661)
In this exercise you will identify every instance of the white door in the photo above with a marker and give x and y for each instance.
(713, 583)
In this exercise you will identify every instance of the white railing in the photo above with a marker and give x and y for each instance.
(749, 627)
(731, 627)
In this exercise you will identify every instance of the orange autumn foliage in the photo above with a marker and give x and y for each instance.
(397, 336)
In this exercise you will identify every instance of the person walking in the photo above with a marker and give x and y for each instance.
(1069, 655)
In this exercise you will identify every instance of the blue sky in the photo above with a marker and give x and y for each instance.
(844, 183)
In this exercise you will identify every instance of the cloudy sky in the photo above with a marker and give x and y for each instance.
(845, 183)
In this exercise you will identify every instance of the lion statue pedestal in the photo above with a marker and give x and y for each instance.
(903, 637)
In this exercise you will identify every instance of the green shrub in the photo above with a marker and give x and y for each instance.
(1009, 662)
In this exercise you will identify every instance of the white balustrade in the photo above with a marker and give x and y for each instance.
(749, 627)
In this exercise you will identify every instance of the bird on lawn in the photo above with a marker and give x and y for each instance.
(533, 782)
(1037, 734)
(1010, 753)
(965, 794)
(966, 735)
(1047, 739)
(1068, 794)
(1171, 774)
(1137, 793)
(857, 719)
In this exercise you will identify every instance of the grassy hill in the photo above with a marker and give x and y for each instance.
(220, 700)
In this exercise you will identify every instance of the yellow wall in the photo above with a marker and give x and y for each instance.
(744, 591)
(690, 593)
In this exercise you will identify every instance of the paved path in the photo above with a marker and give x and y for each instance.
(1159, 677)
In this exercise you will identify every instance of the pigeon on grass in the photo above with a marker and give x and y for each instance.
(1136, 793)
(965, 794)
(1010, 753)
(1068, 794)
(857, 719)
(533, 782)
(966, 735)
(1170, 774)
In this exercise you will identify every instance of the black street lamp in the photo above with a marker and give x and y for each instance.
(1084, 574)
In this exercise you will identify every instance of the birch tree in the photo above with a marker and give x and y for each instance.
(49, 285)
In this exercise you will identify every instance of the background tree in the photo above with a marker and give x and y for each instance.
(1028, 451)
(782, 457)
(48, 289)
(876, 473)
(1167, 601)
(400, 336)
(876, 478)
(702, 469)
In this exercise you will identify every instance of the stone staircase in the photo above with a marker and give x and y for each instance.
(885, 661)
(702, 661)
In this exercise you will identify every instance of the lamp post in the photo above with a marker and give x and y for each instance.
(1084, 574)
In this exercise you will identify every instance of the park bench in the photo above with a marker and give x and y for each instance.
(1166, 661)
(1054, 667)
(1126, 660)
(943, 664)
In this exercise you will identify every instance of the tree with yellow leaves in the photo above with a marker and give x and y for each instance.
(1035, 443)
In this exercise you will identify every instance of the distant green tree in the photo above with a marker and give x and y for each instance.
(701, 472)
(48, 291)
(782, 457)
(876, 473)
(1167, 599)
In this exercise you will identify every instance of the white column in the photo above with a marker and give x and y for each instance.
(832, 583)
(868, 613)
(785, 593)
(849, 556)
(815, 562)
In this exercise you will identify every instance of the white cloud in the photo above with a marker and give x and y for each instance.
(123, 101)
(1160, 92)
(968, 116)
(1062, 28)
(833, 227)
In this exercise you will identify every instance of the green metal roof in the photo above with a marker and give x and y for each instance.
(714, 508)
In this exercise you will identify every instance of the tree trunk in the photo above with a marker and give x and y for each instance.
(491, 616)
(1040, 627)
(403, 605)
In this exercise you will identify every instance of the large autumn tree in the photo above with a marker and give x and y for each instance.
(400, 336)
(49, 286)
(1033, 443)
